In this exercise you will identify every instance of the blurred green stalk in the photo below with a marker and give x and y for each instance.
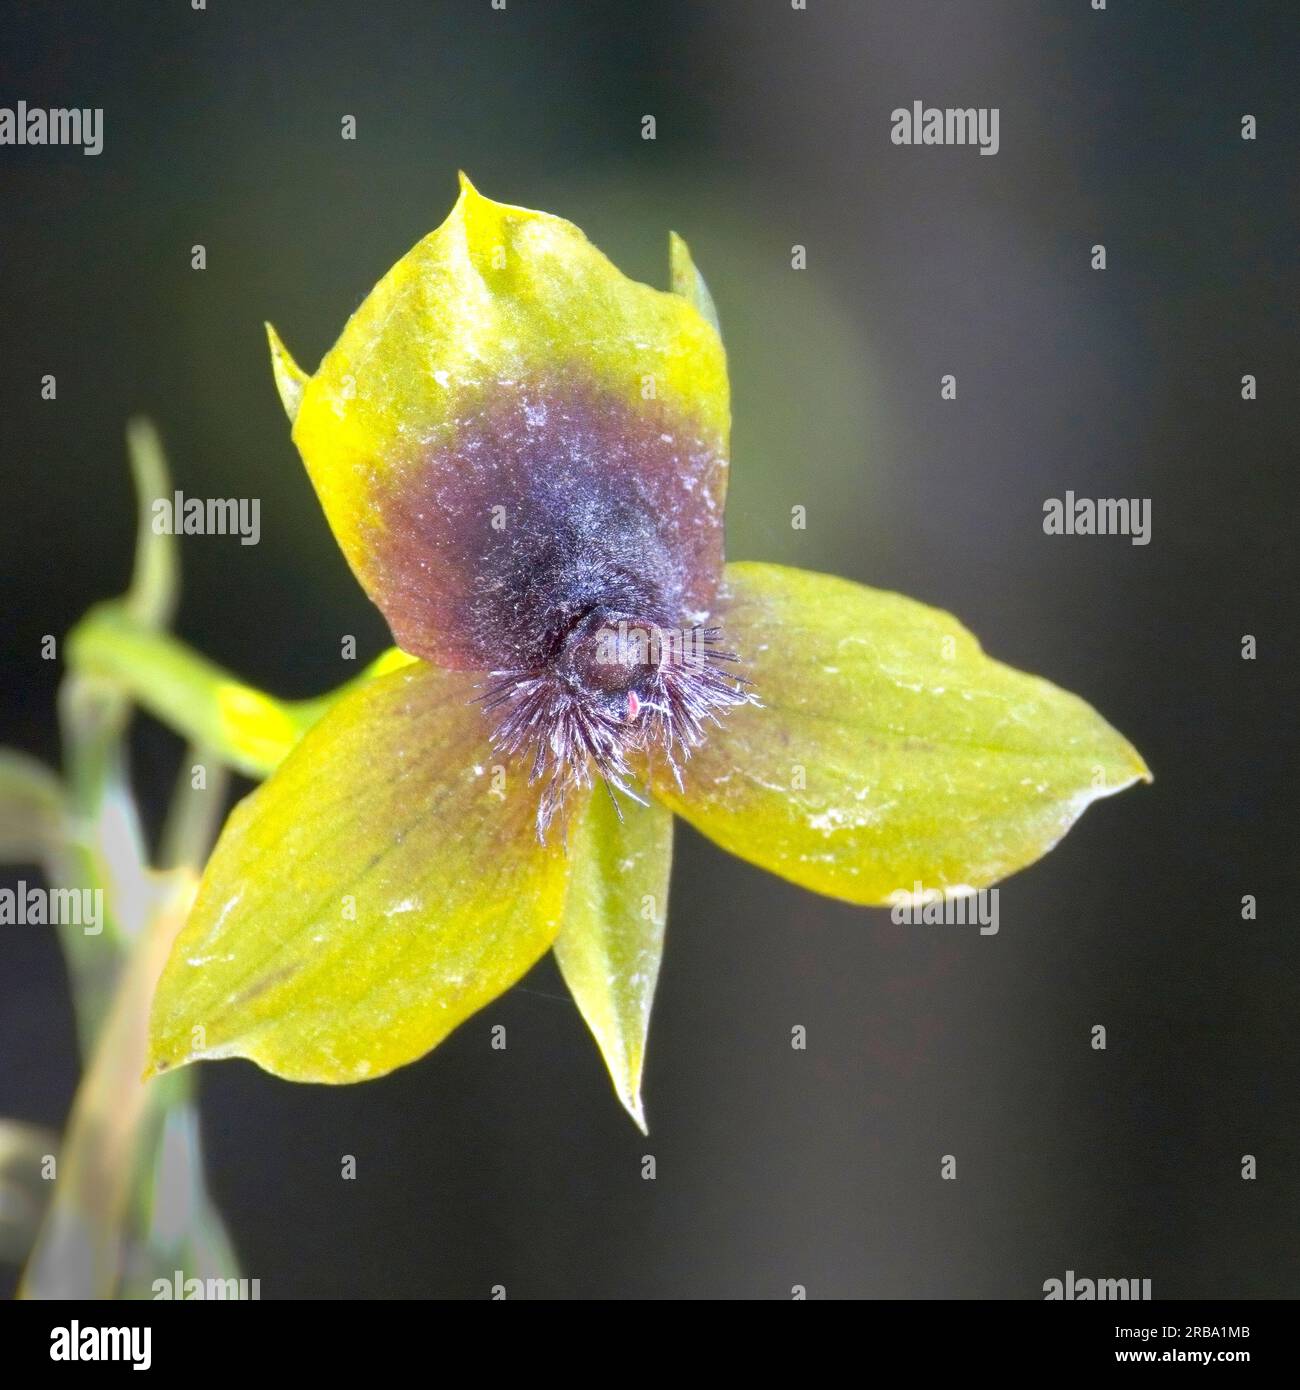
(129, 1202)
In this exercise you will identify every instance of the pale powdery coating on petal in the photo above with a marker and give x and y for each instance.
(552, 499)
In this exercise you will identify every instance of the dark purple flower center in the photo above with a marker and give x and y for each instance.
(616, 685)
(570, 543)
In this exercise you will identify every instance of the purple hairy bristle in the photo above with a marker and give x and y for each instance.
(614, 687)
(566, 542)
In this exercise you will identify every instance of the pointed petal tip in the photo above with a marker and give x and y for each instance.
(634, 1107)
(483, 214)
(1139, 764)
(469, 193)
(1132, 767)
(290, 380)
(686, 281)
(961, 754)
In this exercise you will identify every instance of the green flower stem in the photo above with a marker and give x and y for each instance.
(155, 580)
(24, 1194)
(104, 849)
(195, 813)
(247, 729)
(131, 1203)
(92, 1237)
(32, 812)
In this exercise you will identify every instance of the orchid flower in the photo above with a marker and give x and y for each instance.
(523, 455)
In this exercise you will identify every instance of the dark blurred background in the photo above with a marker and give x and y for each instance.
(775, 1167)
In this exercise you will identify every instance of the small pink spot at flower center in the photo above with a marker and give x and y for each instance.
(578, 714)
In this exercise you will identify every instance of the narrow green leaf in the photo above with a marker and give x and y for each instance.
(92, 1225)
(25, 1188)
(32, 814)
(612, 935)
(247, 728)
(155, 582)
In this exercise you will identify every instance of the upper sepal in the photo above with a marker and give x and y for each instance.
(503, 395)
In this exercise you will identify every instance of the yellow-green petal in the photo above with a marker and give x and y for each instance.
(612, 934)
(504, 380)
(379, 889)
(889, 751)
(290, 379)
(688, 282)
